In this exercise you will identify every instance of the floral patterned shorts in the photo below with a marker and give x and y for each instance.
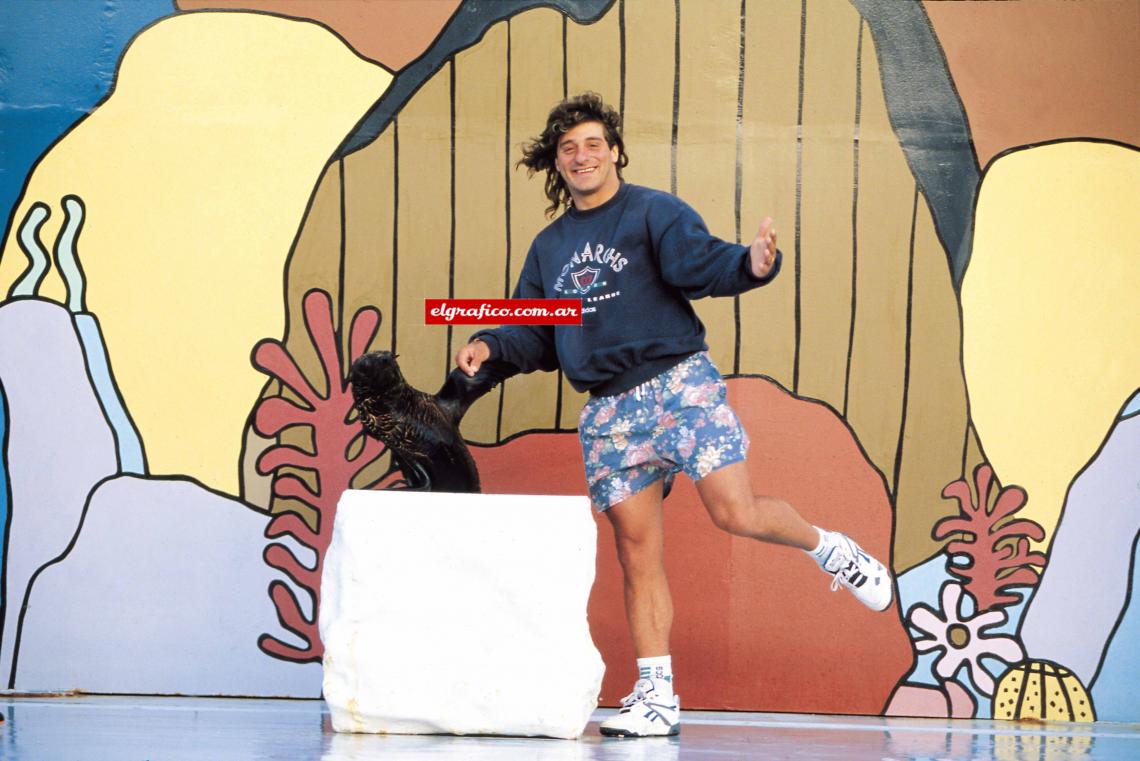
(677, 421)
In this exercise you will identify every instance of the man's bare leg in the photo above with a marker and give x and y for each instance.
(651, 709)
(727, 495)
(639, 533)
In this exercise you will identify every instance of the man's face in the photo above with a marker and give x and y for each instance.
(588, 164)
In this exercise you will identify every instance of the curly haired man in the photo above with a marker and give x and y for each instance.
(636, 257)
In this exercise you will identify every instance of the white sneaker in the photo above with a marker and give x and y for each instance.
(645, 713)
(852, 568)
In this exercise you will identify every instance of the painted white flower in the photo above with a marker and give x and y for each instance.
(961, 640)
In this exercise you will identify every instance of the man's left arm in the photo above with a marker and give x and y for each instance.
(700, 264)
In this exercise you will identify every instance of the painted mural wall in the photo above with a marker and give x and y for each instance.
(213, 207)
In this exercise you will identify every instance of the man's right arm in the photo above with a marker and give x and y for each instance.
(527, 347)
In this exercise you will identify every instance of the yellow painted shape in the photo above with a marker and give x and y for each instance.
(1049, 312)
(195, 174)
(1043, 691)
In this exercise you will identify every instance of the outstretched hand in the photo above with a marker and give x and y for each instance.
(472, 356)
(762, 255)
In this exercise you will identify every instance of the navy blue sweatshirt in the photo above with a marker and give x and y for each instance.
(635, 262)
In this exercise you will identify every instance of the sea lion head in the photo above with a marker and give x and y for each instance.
(375, 374)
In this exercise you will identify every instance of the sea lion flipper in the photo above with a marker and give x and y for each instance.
(460, 391)
(417, 476)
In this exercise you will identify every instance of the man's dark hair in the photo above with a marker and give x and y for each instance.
(539, 153)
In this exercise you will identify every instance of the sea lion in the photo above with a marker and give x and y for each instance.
(422, 430)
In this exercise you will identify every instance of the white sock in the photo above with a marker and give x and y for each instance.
(658, 670)
(823, 549)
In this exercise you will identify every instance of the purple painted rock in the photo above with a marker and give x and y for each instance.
(164, 592)
(1079, 599)
(59, 446)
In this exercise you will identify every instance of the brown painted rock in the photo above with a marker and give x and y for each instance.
(756, 627)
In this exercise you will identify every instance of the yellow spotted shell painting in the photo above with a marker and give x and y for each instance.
(1042, 690)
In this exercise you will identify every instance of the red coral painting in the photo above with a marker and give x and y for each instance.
(994, 543)
(335, 433)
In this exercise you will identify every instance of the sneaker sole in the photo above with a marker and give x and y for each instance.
(608, 732)
(890, 598)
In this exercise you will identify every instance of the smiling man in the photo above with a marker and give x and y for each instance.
(657, 406)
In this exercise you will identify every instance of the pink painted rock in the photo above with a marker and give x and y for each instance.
(918, 700)
(949, 700)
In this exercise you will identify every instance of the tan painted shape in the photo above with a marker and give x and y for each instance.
(368, 262)
(706, 140)
(769, 187)
(936, 402)
(886, 197)
(391, 32)
(827, 190)
(974, 456)
(648, 92)
(196, 172)
(424, 232)
(314, 263)
(771, 74)
(369, 221)
(481, 171)
(593, 57)
(1030, 72)
(1050, 323)
(302, 439)
(256, 489)
(372, 472)
(536, 85)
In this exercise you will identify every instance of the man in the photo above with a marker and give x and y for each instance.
(657, 406)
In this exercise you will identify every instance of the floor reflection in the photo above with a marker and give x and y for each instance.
(109, 728)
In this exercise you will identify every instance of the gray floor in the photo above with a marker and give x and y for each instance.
(108, 728)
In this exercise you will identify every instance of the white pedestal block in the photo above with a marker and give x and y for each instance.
(460, 614)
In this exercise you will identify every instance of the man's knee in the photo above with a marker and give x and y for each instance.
(639, 551)
(735, 514)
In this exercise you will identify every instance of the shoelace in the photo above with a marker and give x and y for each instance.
(639, 694)
(634, 697)
(846, 568)
(836, 581)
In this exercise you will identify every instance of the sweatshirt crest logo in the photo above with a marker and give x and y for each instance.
(588, 277)
(584, 278)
